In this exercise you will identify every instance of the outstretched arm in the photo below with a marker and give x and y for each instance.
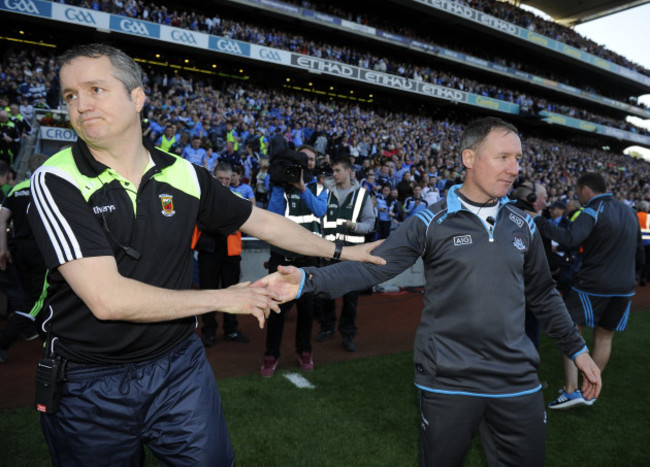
(283, 233)
(400, 250)
(121, 298)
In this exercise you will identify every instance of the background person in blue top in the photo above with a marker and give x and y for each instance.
(238, 186)
(484, 263)
(194, 152)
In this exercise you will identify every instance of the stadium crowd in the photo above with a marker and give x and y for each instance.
(501, 10)
(273, 37)
(240, 113)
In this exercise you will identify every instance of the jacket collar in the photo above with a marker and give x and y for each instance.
(597, 198)
(91, 167)
(454, 204)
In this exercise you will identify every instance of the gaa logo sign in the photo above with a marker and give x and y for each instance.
(134, 27)
(184, 37)
(79, 16)
(269, 54)
(24, 6)
(229, 47)
(462, 240)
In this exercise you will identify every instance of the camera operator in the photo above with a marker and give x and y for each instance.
(297, 196)
(531, 197)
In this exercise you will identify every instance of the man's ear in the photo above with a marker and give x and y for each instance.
(138, 96)
(467, 158)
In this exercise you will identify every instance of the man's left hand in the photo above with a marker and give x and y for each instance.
(591, 381)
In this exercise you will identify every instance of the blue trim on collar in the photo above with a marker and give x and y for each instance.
(453, 201)
(604, 195)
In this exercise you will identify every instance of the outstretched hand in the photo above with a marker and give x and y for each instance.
(362, 253)
(243, 298)
(591, 381)
(284, 283)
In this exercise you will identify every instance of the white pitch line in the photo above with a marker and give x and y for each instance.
(299, 381)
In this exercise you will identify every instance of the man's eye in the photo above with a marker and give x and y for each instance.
(69, 97)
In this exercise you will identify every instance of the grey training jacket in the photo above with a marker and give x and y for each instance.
(471, 337)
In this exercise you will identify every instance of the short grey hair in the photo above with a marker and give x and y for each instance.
(476, 131)
(126, 70)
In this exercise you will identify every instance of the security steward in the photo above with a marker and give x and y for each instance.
(167, 139)
(303, 202)
(350, 216)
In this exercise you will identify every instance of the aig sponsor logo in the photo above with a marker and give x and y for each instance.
(134, 27)
(462, 240)
(23, 6)
(79, 16)
(269, 54)
(517, 220)
(183, 36)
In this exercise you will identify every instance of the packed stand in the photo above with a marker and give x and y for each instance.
(296, 43)
(236, 123)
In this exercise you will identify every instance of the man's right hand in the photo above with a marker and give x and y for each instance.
(245, 299)
(362, 253)
(300, 184)
(285, 283)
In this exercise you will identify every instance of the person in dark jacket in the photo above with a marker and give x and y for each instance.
(484, 263)
(609, 233)
(532, 196)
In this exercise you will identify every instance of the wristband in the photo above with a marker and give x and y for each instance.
(337, 250)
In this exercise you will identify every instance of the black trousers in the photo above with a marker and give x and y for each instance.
(16, 301)
(217, 270)
(512, 429)
(304, 305)
(31, 268)
(347, 326)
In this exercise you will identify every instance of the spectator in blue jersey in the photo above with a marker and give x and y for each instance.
(194, 152)
(236, 184)
(384, 211)
(416, 203)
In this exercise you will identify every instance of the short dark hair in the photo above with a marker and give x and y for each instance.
(223, 167)
(344, 161)
(593, 180)
(308, 147)
(476, 131)
(126, 70)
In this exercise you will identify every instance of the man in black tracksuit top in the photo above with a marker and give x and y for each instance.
(610, 236)
(484, 263)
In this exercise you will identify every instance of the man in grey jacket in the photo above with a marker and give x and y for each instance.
(484, 263)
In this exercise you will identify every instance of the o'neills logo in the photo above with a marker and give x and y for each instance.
(167, 202)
